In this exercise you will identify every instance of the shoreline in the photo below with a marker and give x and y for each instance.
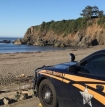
(65, 48)
(30, 49)
(27, 62)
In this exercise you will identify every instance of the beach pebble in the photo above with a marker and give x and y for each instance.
(6, 101)
(40, 105)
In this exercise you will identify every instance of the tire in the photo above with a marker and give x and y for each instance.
(47, 94)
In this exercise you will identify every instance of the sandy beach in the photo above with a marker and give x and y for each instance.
(25, 63)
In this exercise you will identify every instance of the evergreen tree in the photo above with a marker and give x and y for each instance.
(91, 12)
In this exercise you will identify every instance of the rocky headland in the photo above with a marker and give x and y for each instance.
(93, 34)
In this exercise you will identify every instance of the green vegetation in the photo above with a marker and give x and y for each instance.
(65, 26)
(92, 12)
(36, 27)
(101, 21)
(72, 26)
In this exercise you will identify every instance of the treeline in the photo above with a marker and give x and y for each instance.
(72, 26)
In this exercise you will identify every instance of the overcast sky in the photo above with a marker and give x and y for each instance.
(18, 15)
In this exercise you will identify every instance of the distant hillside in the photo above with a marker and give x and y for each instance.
(85, 31)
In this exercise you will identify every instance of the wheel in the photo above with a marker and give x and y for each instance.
(47, 94)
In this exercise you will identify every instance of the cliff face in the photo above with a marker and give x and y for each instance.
(91, 35)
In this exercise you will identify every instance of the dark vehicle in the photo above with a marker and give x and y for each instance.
(72, 84)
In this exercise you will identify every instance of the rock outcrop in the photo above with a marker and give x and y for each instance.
(82, 41)
(5, 41)
(90, 36)
(17, 42)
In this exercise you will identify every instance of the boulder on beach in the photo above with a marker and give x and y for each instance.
(17, 42)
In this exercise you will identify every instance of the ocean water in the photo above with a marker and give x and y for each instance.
(11, 48)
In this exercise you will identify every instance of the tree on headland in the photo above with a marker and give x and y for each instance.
(66, 27)
(100, 13)
(92, 12)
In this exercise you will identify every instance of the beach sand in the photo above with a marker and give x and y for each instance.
(25, 63)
